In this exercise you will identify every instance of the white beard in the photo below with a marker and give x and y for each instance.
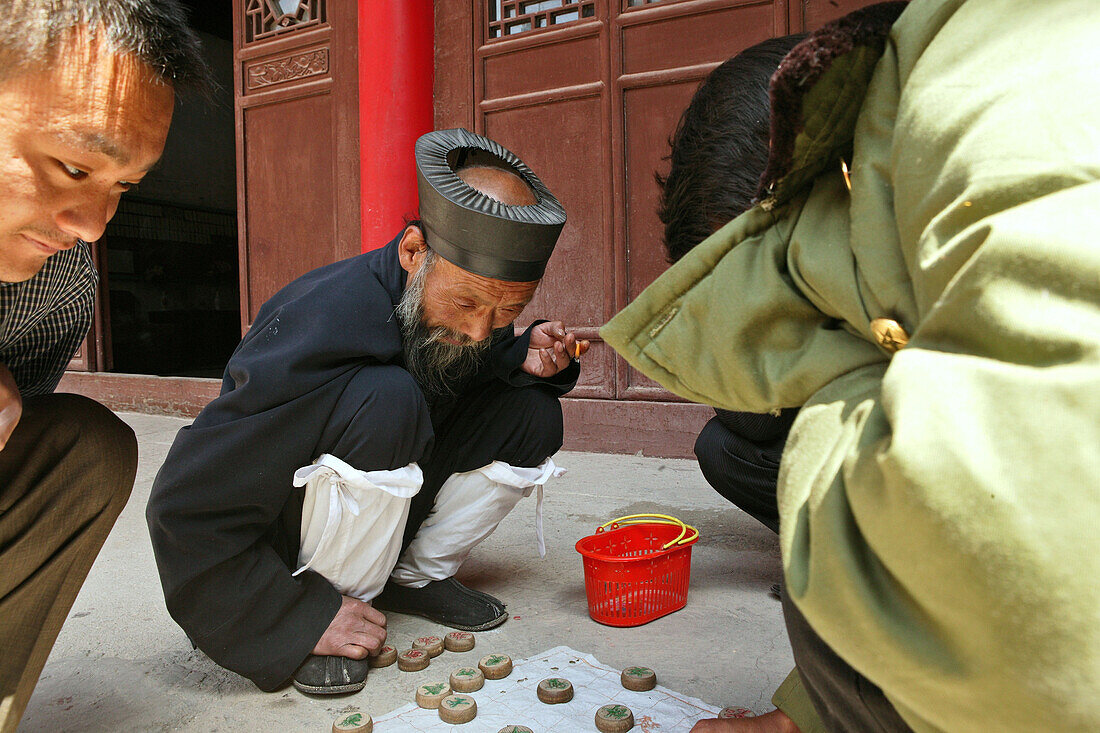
(436, 365)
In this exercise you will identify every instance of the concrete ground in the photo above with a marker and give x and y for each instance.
(122, 664)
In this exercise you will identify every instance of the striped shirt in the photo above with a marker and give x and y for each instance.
(44, 319)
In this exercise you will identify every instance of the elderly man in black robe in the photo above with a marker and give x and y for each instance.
(378, 420)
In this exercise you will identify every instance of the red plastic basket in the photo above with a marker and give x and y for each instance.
(636, 573)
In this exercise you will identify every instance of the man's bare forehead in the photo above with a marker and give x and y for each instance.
(485, 290)
(108, 107)
(93, 141)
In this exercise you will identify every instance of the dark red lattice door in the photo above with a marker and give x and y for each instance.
(297, 140)
(588, 93)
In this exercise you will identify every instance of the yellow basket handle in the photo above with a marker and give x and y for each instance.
(655, 519)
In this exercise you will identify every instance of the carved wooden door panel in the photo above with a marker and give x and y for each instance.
(664, 50)
(588, 93)
(296, 91)
(810, 15)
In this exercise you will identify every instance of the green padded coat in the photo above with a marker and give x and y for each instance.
(940, 504)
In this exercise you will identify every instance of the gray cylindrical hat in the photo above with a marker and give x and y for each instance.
(478, 233)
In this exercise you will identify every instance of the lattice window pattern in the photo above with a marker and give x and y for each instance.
(637, 3)
(267, 18)
(513, 17)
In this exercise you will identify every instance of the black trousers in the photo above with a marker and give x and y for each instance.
(739, 455)
(65, 475)
(844, 699)
(383, 421)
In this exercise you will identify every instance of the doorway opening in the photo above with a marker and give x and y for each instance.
(169, 257)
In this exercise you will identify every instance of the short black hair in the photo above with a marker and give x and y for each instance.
(32, 33)
(720, 147)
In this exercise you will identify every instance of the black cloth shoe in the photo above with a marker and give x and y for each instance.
(320, 675)
(446, 602)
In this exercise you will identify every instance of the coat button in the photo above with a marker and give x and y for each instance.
(889, 334)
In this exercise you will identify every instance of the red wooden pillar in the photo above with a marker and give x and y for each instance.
(396, 61)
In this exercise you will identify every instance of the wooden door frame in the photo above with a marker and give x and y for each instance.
(651, 422)
(299, 65)
(94, 352)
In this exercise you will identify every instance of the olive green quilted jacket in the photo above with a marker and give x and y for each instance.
(940, 505)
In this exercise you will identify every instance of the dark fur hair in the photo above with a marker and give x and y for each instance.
(154, 31)
(720, 147)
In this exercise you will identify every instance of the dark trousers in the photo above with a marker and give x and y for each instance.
(844, 699)
(739, 456)
(383, 421)
(65, 475)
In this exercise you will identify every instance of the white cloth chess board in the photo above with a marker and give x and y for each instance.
(513, 701)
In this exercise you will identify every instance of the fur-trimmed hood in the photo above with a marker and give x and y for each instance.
(835, 61)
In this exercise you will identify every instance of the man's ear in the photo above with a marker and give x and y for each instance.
(411, 249)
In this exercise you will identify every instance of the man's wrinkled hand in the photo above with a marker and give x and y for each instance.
(11, 405)
(551, 349)
(357, 631)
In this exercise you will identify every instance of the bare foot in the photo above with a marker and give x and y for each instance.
(774, 722)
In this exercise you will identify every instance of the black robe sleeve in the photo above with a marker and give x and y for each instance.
(509, 354)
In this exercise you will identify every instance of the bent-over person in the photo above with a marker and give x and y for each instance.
(378, 420)
(86, 95)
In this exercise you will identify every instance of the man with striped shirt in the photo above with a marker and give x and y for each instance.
(45, 319)
(87, 89)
